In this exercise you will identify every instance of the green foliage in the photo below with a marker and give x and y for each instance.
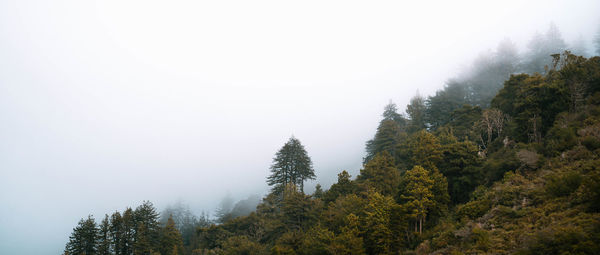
(344, 186)
(335, 216)
(170, 242)
(416, 111)
(462, 121)
(440, 108)
(242, 245)
(377, 228)
(460, 165)
(563, 184)
(291, 165)
(381, 174)
(418, 194)
(474, 209)
(83, 240)
(421, 148)
(103, 238)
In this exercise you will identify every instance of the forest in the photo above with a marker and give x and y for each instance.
(504, 159)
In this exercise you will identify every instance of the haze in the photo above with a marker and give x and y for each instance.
(104, 104)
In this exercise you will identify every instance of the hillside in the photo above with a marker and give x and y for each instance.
(517, 173)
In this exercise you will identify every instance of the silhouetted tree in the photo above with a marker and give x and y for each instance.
(291, 165)
(83, 239)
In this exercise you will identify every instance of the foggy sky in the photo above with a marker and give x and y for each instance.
(104, 104)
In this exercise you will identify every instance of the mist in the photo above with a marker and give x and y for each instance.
(105, 104)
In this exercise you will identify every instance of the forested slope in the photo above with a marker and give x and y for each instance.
(462, 173)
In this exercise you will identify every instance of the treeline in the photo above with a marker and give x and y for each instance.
(138, 231)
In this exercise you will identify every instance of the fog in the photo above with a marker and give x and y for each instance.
(104, 104)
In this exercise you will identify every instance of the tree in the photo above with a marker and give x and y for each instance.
(291, 165)
(386, 139)
(416, 111)
(578, 47)
(104, 237)
(377, 228)
(297, 209)
(490, 125)
(390, 112)
(388, 133)
(170, 242)
(460, 165)
(117, 233)
(381, 174)
(418, 194)
(462, 121)
(83, 240)
(146, 218)
(344, 186)
(541, 47)
(225, 207)
(597, 42)
(421, 148)
(349, 242)
(129, 228)
(440, 107)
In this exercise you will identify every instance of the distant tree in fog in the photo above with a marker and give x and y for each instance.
(597, 42)
(540, 49)
(578, 48)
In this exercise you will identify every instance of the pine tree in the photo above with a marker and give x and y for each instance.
(416, 111)
(597, 42)
(104, 237)
(349, 242)
(128, 238)
(170, 242)
(418, 194)
(422, 148)
(291, 165)
(116, 233)
(386, 139)
(381, 174)
(83, 240)
(145, 215)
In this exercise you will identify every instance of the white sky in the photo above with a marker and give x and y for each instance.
(104, 104)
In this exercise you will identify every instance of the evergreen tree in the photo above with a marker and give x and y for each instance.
(377, 228)
(318, 192)
(104, 239)
(444, 102)
(116, 233)
(381, 174)
(224, 209)
(146, 220)
(344, 186)
(296, 209)
(422, 148)
(291, 165)
(597, 42)
(170, 242)
(418, 194)
(460, 166)
(386, 139)
(416, 111)
(128, 238)
(349, 242)
(578, 47)
(541, 48)
(83, 240)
